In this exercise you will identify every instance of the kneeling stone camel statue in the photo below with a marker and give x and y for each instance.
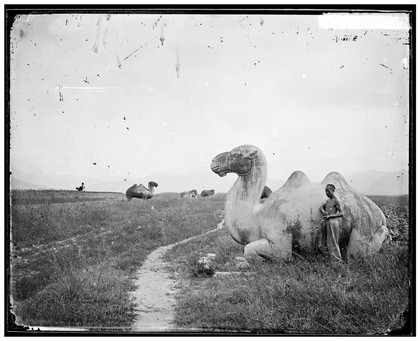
(291, 216)
(141, 191)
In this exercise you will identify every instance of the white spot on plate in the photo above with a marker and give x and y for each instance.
(405, 63)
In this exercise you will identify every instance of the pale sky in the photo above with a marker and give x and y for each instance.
(113, 96)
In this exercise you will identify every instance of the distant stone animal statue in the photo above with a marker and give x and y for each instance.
(81, 187)
(266, 192)
(141, 191)
(207, 193)
(291, 216)
(189, 194)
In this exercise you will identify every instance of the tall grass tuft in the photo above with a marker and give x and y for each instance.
(68, 287)
(94, 297)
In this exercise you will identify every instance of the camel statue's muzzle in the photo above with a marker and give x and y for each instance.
(152, 184)
(219, 164)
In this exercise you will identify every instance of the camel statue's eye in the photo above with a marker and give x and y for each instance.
(236, 155)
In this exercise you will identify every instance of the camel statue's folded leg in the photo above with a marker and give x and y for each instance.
(359, 244)
(281, 249)
(261, 247)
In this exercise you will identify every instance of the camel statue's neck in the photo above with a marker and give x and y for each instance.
(243, 202)
(248, 188)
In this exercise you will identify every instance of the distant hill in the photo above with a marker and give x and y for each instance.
(390, 184)
(367, 182)
(43, 180)
(111, 186)
(380, 183)
(19, 184)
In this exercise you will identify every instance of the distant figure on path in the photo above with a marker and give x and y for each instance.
(330, 225)
(81, 188)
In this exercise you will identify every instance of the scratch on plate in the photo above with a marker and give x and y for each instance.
(135, 51)
(387, 67)
(178, 64)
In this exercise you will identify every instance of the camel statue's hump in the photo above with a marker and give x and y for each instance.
(300, 191)
(295, 189)
(335, 178)
(296, 179)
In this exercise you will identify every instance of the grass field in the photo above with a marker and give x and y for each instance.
(75, 254)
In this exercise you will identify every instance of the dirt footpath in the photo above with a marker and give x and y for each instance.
(155, 294)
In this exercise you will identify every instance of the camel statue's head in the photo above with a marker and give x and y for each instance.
(240, 160)
(152, 184)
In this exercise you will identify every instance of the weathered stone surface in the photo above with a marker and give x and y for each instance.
(291, 216)
(241, 263)
(205, 266)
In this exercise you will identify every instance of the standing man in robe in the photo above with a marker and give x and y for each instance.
(330, 225)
